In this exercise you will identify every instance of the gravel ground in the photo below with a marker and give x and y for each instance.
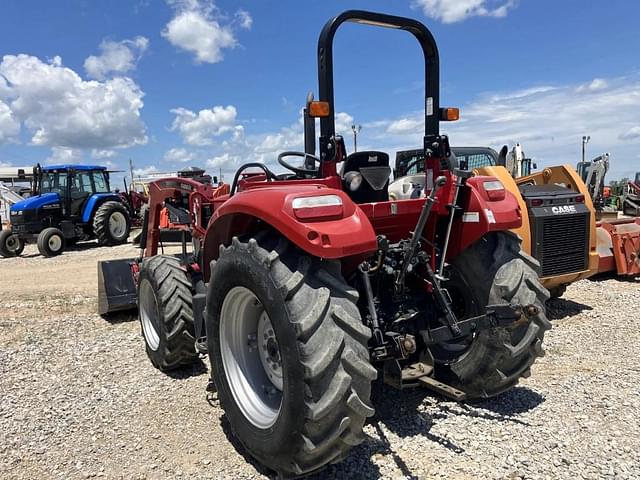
(79, 399)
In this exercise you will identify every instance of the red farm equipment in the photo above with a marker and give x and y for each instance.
(304, 288)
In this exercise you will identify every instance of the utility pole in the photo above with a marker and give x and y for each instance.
(585, 140)
(131, 173)
(356, 130)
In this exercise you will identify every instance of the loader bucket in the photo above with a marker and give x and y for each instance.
(619, 246)
(116, 287)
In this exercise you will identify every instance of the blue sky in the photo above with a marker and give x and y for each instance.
(181, 82)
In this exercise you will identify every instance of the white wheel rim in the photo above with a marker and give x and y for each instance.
(55, 243)
(149, 316)
(117, 224)
(253, 371)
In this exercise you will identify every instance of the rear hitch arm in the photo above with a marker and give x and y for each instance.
(496, 316)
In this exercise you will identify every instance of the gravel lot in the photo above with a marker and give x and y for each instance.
(78, 398)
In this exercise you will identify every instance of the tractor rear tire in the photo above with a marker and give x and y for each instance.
(51, 242)
(10, 245)
(494, 271)
(557, 291)
(112, 223)
(297, 391)
(166, 313)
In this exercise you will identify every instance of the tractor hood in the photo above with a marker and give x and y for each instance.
(38, 201)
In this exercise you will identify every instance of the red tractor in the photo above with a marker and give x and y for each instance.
(304, 288)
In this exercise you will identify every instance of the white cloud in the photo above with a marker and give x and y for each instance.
(200, 128)
(116, 57)
(631, 134)
(199, 28)
(64, 155)
(593, 86)
(226, 161)
(244, 19)
(144, 171)
(100, 154)
(451, 11)
(343, 123)
(9, 126)
(404, 126)
(179, 155)
(61, 109)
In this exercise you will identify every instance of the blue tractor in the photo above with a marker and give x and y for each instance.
(70, 203)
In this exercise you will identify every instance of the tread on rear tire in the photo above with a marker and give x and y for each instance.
(325, 396)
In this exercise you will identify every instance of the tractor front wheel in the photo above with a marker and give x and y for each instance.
(10, 245)
(289, 354)
(166, 313)
(111, 223)
(492, 271)
(51, 242)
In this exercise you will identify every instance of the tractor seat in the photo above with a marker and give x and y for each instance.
(375, 170)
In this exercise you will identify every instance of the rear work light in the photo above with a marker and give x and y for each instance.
(495, 190)
(322, 206)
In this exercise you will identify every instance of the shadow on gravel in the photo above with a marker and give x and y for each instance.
(504, 407)
(558, 308)
(194, 370)
(399, 413)
(120, 317)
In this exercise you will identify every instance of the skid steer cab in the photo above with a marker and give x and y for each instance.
(303, 287)
(69, 203)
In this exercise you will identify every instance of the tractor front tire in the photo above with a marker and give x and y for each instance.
(493, 271)
(10, 245)
(289, 354)
(51, 242)
(111, 223)
(166, 313)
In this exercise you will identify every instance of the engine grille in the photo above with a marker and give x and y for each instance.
(565, 244)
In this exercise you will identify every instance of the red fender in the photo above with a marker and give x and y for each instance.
(483, 215)
(344, 234)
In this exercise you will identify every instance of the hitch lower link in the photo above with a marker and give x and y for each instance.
(496, 316)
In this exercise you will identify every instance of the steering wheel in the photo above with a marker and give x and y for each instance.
(297, 170)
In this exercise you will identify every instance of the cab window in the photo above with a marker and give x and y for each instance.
(100, 182)
(82, 182)
(54, 182)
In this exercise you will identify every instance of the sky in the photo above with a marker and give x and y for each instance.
(174, 83)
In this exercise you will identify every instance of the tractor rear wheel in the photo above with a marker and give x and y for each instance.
(289, 354)
(166, 313)
(492, 271)
(557, 291)
(51, 242)
(10, 245)
(111, 223)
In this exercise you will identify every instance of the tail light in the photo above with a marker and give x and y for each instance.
(536, 202)
(495, 190)
(579, 199)
(322, 206)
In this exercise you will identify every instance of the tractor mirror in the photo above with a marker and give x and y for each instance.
(319, 109)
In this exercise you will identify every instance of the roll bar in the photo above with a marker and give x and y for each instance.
(325, 69)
